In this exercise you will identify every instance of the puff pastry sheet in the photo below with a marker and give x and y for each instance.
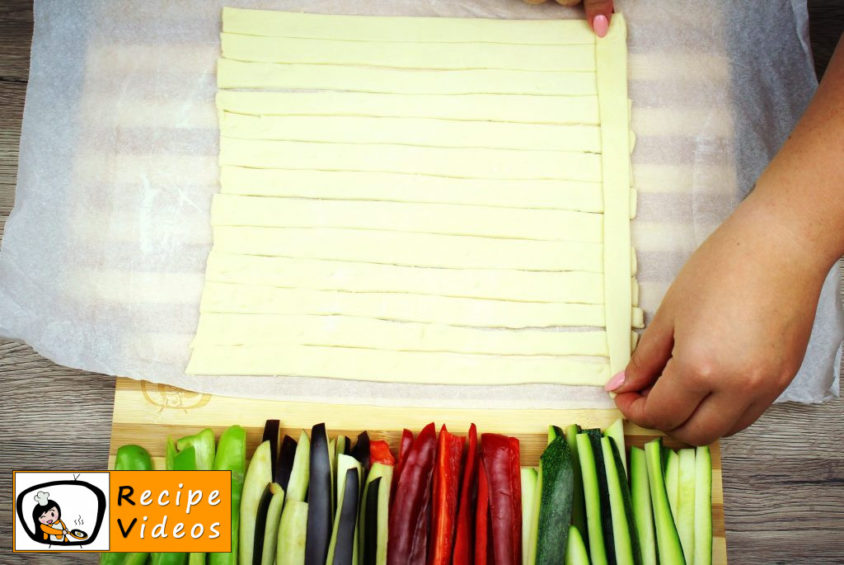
(420, 200)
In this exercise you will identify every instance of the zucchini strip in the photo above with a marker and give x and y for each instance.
(668, 545)
(685, 517)
(703, 506)
(642, 510)
(592, 499)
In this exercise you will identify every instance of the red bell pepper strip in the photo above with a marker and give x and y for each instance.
(379, 452)
(447, 482)
(410, 508)
(465, 532)
(501, 461)
(483, 555)
(404, 447)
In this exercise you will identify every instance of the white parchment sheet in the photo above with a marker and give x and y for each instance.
(102, 262)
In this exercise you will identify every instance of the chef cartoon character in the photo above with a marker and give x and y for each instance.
(47, 517)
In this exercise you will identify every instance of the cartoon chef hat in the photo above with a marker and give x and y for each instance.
(41, 497)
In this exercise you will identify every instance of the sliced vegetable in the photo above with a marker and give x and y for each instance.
(292, 533)
(361, 450)
(231, 456)
(642, 511)
(374, 520)
(483, 525)
(345, 552)
(410, 508)
(259, 474)
(703, 506)
(578, 509)
(271, 428)
(297, 486)
(616, 431)
(555, 504)
(500, 459)
(576, 553)
(203, 445)
(464, 536)
(129, 458)
(626, 543)
(340, 525)
(266, 525)
(595, 436)
(404, 446)
(176, 461)
(379, 452)
(667, 540)
(672, 478)
(320, 510)
(368, 525)
(554, 432)
(592, 499)
(685, 517)
(529, 500)
(286, 460)
(447, 475)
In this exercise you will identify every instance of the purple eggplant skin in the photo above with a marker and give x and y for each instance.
(271, 434)
(344, 549)
(320, 513)
(370, 532)
(285, 462)
(261, 524)
(361, 451)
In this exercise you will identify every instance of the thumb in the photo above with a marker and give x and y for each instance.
(598, 14)
(650, 356)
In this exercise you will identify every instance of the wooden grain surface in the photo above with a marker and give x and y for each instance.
(783, 478)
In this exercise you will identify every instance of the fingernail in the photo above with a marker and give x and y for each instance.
(615, 382)
(600, 24)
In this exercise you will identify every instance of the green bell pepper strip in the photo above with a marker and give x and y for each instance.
(184, 460)
(231, 456)
(203, 444)
(129, 458)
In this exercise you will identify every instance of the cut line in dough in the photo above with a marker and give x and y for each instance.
(406, 29)
(413, 131)
(455, 56)
(411, 249)
(398, 187)
(467, 107)
(507, 285)
(473, 312)
(395, 366)
(367, 333)
(448, 162)
(239, 74)
(445, 219)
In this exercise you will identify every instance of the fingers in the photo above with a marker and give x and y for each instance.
(648, 359)
(598, 14)
(667, 405)
(750, 415)
(715, 417)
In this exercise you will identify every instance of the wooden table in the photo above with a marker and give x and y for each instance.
(783, 477)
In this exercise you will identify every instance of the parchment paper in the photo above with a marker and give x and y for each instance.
(102, 261)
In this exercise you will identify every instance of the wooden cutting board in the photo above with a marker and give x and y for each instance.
(146, 414)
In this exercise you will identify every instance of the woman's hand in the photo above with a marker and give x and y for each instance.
(598, 12)
(731, 331)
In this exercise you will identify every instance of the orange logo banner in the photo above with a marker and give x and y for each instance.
(164, 511)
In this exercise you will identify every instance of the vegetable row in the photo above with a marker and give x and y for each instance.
(446, 498)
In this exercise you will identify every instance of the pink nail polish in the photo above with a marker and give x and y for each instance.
(600, 24)
(615, 382)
